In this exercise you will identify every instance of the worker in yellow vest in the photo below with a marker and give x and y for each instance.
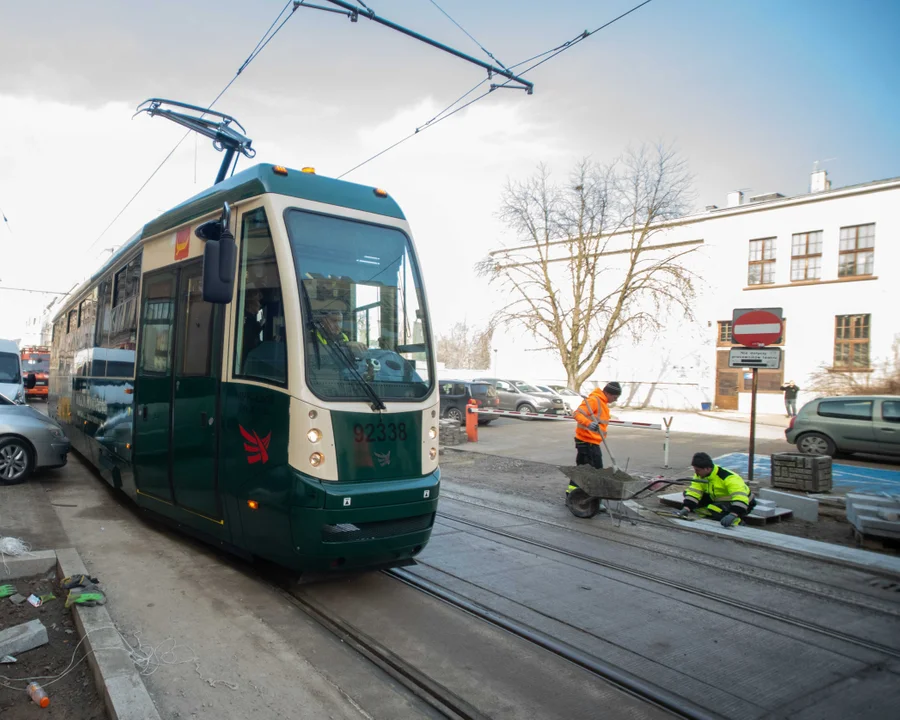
(717, 493)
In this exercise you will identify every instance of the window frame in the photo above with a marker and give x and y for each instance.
(763, 262)
(894, 420)
(239, 299)
(806, 256)
(726, 326)
(855, 251)
(839, 416)
(852, 342)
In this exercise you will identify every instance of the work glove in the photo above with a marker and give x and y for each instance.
(729, 520)
(683, 513)
(594, 426)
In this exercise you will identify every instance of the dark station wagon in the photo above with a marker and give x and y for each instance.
(455, 395)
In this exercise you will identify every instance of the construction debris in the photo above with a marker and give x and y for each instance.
(24, 637)
(874, 515)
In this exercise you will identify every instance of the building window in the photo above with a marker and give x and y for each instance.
(725, 336)
(851, 342)
(761, 270)
(857, 256)
(806, 256)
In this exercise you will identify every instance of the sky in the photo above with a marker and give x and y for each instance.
(751, 94)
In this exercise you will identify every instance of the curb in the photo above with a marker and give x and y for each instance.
(123, 691)
(34, 563)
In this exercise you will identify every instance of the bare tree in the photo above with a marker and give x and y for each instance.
(588, 270)
(884, 381)
(466, 348)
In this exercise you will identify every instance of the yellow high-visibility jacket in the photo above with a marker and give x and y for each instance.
(722, 486)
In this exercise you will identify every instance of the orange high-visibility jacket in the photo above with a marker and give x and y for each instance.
(597, 404)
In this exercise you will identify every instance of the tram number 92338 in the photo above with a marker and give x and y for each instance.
(379, 433)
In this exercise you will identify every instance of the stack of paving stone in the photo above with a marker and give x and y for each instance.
(450, 433)
(877, 515)
(793, 471)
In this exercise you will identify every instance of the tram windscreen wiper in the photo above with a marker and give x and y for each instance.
(377, 402)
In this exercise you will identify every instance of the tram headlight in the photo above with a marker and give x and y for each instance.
(432, 453)
(316, 459)
(432, 433)
(314, 435)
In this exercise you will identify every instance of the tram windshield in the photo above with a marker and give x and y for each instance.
(363, 306)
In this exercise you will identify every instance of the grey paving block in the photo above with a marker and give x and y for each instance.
(764, 511)
(24, 637)
(804, 508)
(17, 599)
(34, 563)
(127, 699)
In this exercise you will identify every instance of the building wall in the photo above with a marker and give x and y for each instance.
(809, 308)
(676, 367)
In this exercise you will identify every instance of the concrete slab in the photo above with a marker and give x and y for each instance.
(804, 508)
(34, 563)
(22, 638)
(862, 559)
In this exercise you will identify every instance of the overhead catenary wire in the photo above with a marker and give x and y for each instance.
(469, 35)
(444, 114)
(260, 46)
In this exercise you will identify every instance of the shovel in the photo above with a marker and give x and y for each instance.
(602, 439)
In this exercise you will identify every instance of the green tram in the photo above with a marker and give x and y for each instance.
(289, 412)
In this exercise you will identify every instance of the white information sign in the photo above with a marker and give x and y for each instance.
(763, 358)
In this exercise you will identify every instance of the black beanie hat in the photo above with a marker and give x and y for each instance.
(702, 460)
(612, 388)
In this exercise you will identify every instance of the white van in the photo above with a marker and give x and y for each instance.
(12, 384)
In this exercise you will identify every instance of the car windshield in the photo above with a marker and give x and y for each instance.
(9, 368)
(364, 311)
(526, 388)
(36, 364)
(544, 388)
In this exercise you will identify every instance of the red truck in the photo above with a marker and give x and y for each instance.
(37, 360)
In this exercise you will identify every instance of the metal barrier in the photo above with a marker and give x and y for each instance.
(474, 410)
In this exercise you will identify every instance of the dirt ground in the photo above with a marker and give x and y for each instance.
(74, 697)
(545, 483)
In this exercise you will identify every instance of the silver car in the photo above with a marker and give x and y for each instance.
(28, 440)
(513, 398)
(849, 424)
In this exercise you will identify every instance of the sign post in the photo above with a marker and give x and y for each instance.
(755, 328)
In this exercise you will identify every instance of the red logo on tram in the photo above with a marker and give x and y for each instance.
(257, 448)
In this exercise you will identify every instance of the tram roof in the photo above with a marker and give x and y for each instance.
(254, 181)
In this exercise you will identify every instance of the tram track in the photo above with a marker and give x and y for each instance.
(685, 588)
(819, 589)
(434, 694)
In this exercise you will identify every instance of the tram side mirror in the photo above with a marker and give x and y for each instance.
(218, 258)
(30, 381)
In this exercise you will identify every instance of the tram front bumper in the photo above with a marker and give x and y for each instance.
(366, 524)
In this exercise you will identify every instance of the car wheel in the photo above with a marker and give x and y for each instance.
(485, 422)
(526, 408)
(816, 444)
(455, 414)
(15, 461)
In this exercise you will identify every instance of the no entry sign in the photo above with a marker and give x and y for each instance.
(757, 328)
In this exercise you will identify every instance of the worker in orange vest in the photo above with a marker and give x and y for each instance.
(592, 420)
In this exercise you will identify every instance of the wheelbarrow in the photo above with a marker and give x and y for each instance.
(595, 485)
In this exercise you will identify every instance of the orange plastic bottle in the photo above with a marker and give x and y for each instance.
(38, 694)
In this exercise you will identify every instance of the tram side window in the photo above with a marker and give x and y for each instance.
(84, 338)
(118, 320)
(260, 351)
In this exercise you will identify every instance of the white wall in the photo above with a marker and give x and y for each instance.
(678, 363)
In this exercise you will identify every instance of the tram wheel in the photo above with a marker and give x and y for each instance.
(581, 504)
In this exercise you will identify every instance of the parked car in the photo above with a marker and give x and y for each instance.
(512, 398)
(12, 381)
(28, 441)
(559, 406)
(850, 424)
(567, 392)
(455, 395)
(571, 400)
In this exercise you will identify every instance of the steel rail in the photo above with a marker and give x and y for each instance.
(625, 681)
(722, 599)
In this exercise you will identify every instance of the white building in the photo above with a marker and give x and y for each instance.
(829, 258)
